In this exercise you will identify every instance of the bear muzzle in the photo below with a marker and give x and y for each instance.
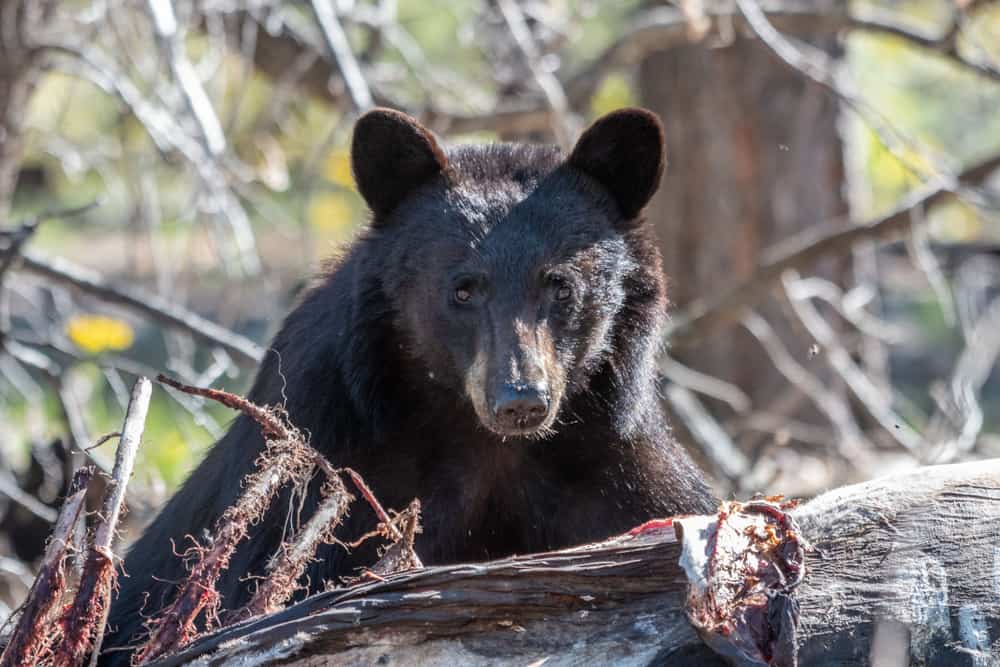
(520, 409)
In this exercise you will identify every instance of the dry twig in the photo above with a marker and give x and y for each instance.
(83, 622)
(31, 638)
(286, 458)
(287, 566)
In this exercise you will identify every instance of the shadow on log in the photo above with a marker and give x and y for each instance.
(902, 570)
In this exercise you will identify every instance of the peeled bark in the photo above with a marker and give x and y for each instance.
(903, 569)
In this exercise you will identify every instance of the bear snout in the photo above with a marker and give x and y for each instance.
(521, 408)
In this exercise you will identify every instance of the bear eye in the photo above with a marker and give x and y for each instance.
(562, 289)
(465, 291)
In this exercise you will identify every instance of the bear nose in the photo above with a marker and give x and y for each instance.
(521, 407)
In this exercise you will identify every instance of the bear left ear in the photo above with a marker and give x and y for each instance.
(624, 152)
(392, 154)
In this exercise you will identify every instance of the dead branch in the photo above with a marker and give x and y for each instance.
(286, 458)
(18, 237)
(876, 402)
(83, 622)
(851, 440)
(10, 489)
(338, 50)
(915, 551)
(31, 638)
(702, 383)
(401, 555)
(716, 444)
(552, 89)
(282, 462)
(369, 496)
(945, 44)
(708, 315)
(62, 272)
(287, 566)
(271, 420)
(281, 44)
(200, 107)
(168, 134)
(820, 68)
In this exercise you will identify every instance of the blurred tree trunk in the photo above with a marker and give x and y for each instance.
(16, 73)
(12, 94)
(754, 156)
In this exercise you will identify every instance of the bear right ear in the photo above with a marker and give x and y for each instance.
(391, 154)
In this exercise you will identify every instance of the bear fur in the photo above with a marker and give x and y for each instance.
(487, 345)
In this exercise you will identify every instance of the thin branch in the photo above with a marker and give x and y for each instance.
(373, 502)
(705, 384)
(715, 442)
(73, 415)
(552, 89)
(961, 409)
(850, 439)
(168, 135)
(663, 28)
(84, 620)
(200, 107)
(918, 246)
(114, 502)
(875, 401)
(816, 65)
(339, 51)
(287, 566)
(945, 44)
(401, 555)
(286, 458)
(851, 308)
(17, 239)
(705, 316)
(244, 351)
(31, 637)
(10, 488)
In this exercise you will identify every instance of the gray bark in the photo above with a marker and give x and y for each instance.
(905, 568)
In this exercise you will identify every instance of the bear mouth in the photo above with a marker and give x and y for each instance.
(531, 433)
(536, 429)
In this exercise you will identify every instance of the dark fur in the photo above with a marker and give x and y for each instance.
(374, 361)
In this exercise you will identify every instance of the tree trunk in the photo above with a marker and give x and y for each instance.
(754, 156)
(17, 71)
(903, 570)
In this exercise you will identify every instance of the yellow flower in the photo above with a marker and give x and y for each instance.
(96, 333)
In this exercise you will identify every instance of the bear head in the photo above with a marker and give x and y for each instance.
(508, 265)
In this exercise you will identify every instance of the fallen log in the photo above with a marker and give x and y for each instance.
(901, 570)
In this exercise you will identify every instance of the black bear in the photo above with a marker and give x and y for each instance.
(488, 345)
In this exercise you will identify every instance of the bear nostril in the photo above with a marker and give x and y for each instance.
(521, 408)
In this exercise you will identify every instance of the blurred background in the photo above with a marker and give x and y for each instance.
(173, 172)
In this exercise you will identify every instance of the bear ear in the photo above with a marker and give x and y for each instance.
(391, 154)
(624, 152)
